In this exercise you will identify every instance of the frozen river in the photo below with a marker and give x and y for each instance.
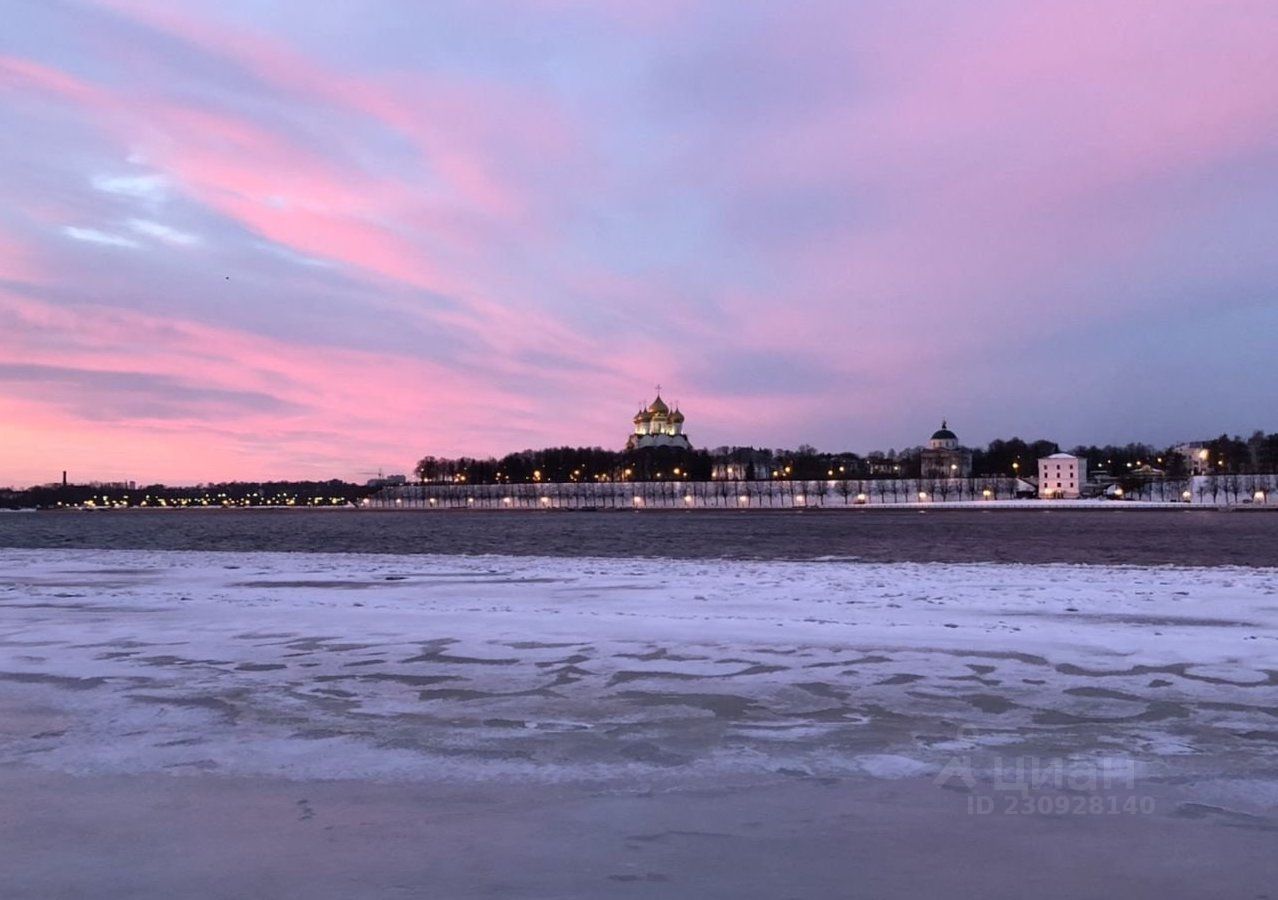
(345, 725)
(1112, 533)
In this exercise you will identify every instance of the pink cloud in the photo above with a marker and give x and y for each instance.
(878, 203)
(337, 405)
(297, 198)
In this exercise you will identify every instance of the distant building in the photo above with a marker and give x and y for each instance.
(881, 466)
(387, 481)
(944, 458)
(1196, 456)
(1061, 476)
(741, 464)
(658, 426)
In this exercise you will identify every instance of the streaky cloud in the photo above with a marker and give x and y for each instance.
(94, 236)
(152, 188)
(163, 232)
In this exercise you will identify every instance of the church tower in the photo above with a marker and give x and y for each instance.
(658, 426)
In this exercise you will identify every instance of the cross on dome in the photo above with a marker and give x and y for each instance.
(658, 425)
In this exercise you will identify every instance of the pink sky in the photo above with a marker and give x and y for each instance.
(249, 240)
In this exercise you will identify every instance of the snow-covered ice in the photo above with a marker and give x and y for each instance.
(430, 668)
(325, 726)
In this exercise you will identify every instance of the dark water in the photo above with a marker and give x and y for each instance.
(1135, 536)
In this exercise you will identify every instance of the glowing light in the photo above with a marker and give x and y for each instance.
(1187, 495)
(986, 494)
(922, 495)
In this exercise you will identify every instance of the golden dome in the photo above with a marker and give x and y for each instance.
(658, 407)
(676, 416)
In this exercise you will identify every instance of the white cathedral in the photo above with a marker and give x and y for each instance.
(658, 426)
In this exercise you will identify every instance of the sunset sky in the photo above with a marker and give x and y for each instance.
(298, 239)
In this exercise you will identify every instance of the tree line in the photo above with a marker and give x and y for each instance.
(1003, 457)
(230, 493)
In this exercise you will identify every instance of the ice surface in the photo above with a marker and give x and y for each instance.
(444, 668)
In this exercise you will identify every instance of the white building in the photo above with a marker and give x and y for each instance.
(658, 426)
(1061, 476)
(1196, 456)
